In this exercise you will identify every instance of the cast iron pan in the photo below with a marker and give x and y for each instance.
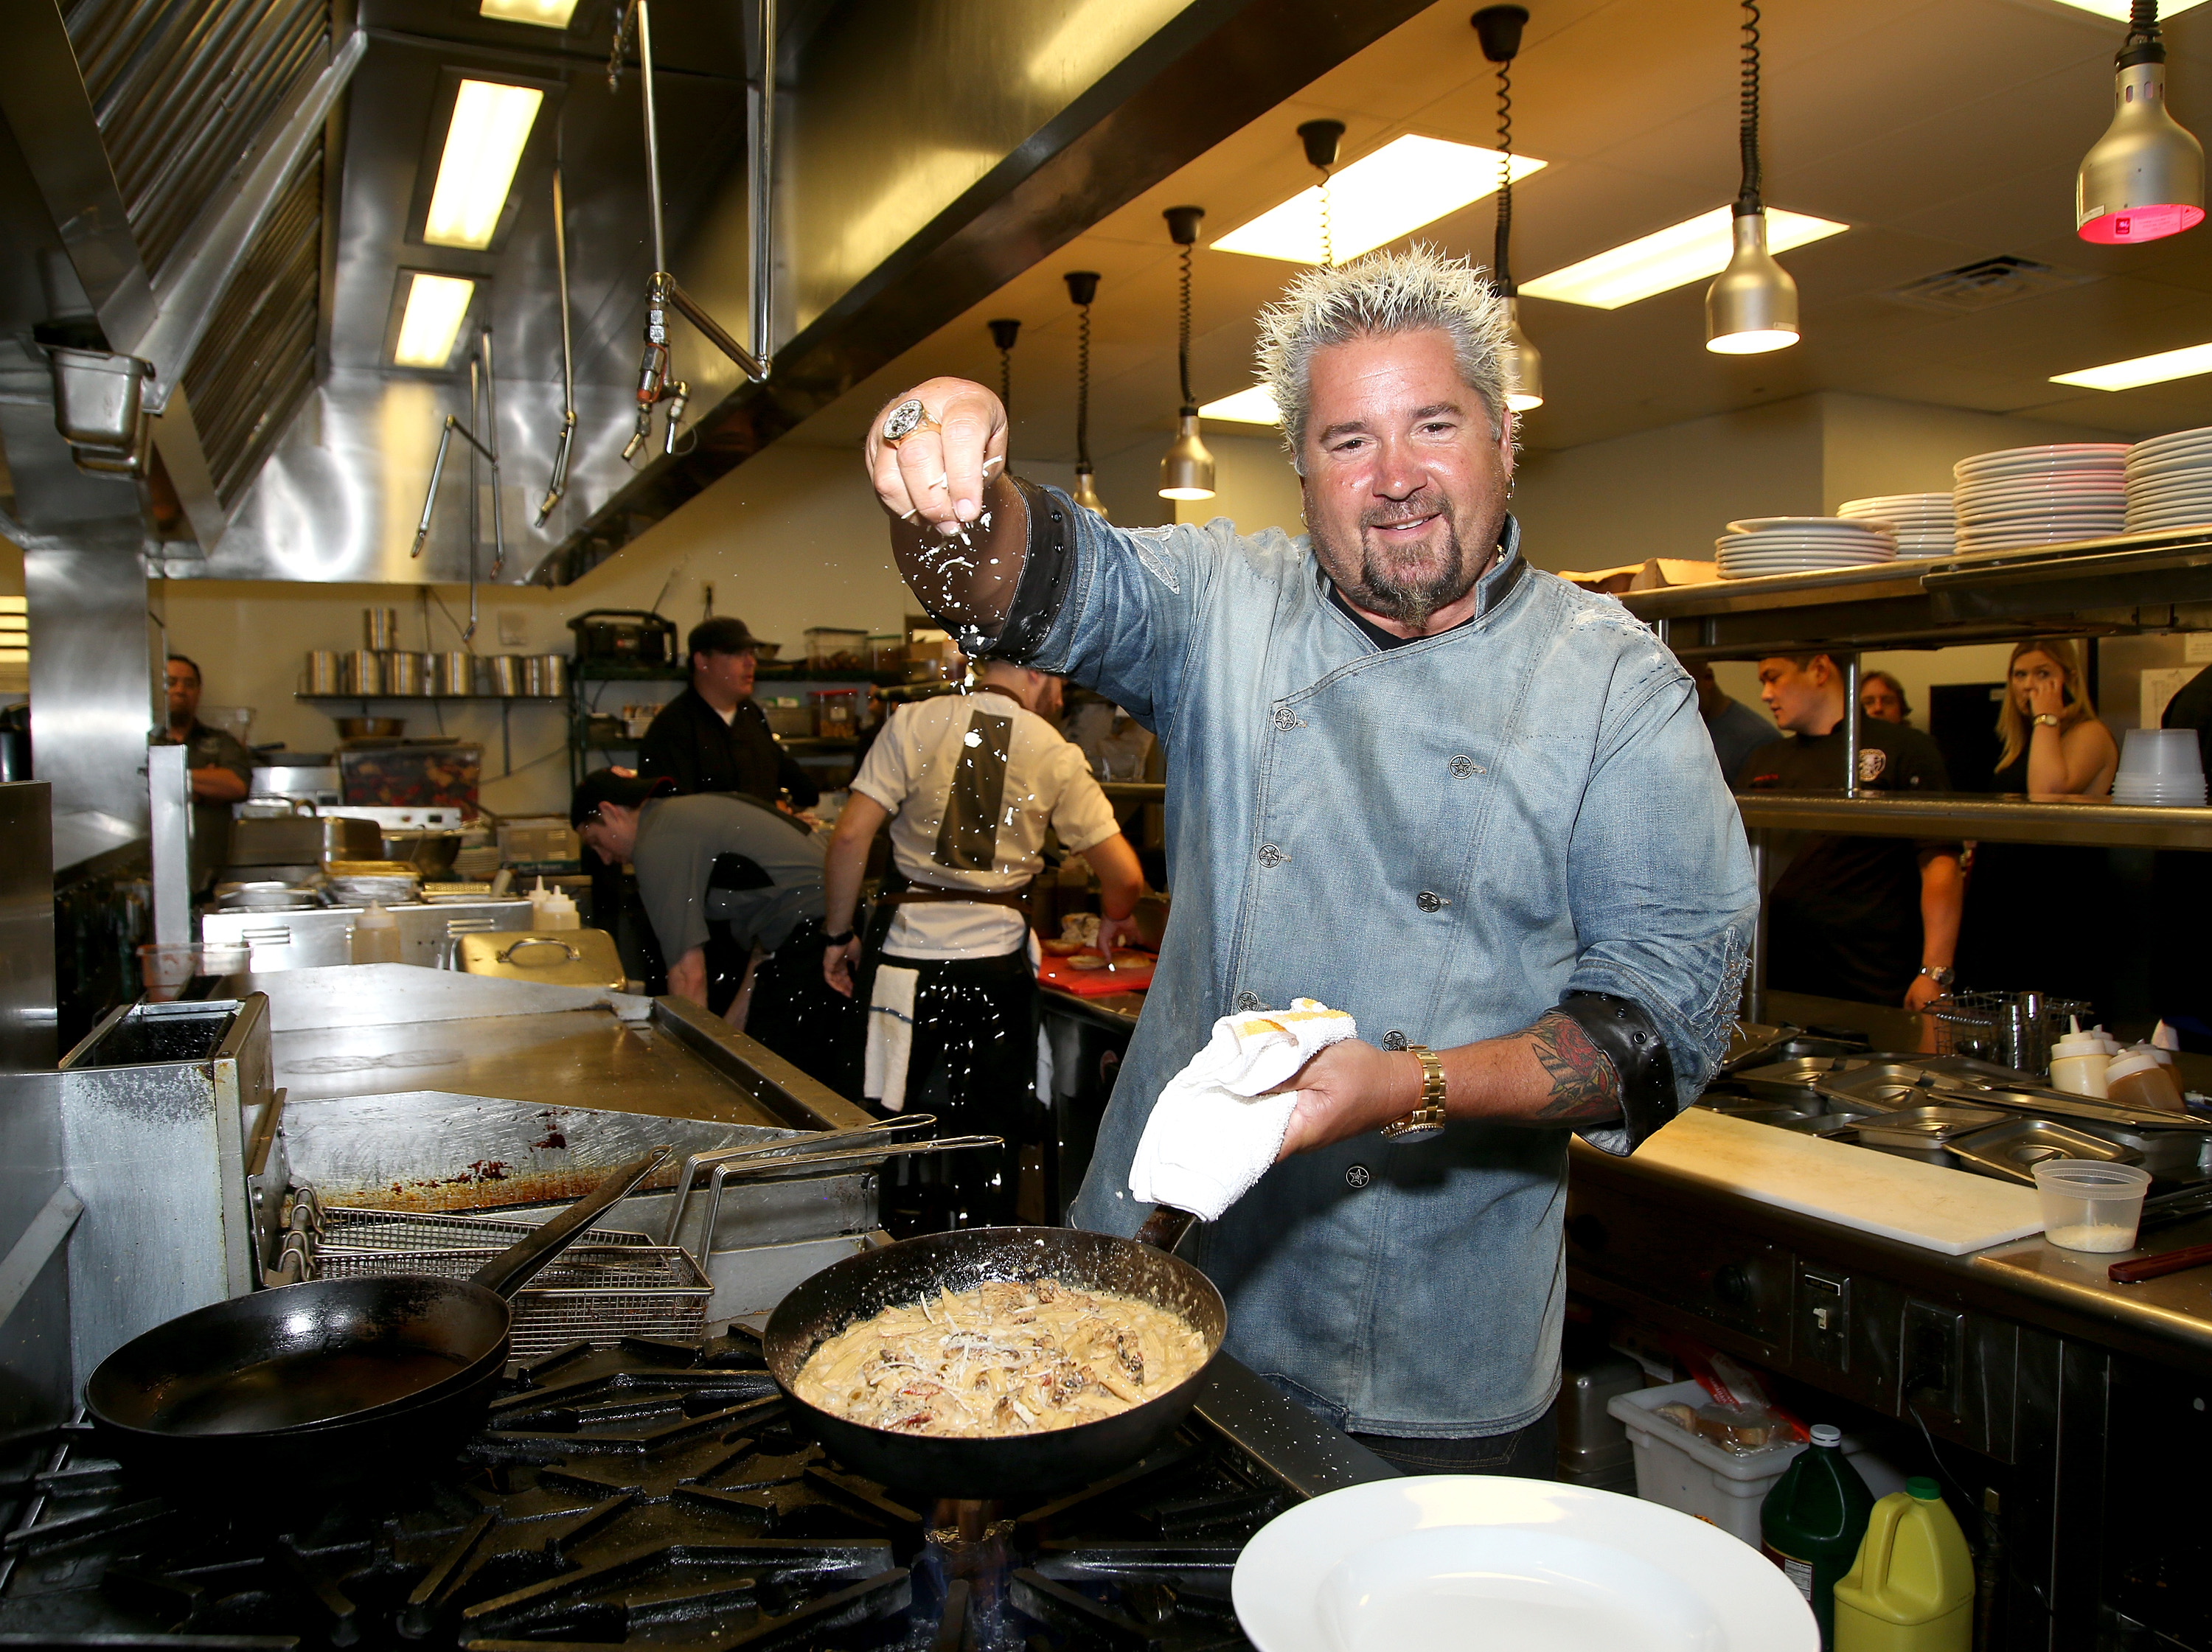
(1022, 1466)
(331, 1379)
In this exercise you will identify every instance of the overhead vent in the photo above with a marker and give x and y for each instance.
(257, 358)
(182, 88)
(1984, 284)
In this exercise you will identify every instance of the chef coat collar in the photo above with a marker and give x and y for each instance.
(1494, 586)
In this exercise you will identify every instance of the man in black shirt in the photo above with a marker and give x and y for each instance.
(221, 767)
(1871, 918)
(712, 738)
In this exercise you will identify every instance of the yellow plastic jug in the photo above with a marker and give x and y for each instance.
(1911, 1588)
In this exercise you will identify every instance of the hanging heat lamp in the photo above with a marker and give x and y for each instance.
(1322, 139)
(1499, 29)
(1187, 469)
(1003, 334)
(1083, 289)
(2144, 179)
(1752, 307)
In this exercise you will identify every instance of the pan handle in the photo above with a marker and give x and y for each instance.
(1164, 1228)
(515, 1267)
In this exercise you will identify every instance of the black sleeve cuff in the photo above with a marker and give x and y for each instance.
(1620, 1028)
(1048, 573)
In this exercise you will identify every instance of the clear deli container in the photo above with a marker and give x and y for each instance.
(2088, 1205)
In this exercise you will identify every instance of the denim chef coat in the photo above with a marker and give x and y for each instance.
(1442, 838)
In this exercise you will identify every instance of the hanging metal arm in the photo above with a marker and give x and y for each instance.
(654, 383)
(559, 483)
(491, 429)
(454, 427)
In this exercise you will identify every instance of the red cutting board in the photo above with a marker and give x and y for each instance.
(1093, 983)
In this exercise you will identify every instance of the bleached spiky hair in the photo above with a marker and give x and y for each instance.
(1413, 291)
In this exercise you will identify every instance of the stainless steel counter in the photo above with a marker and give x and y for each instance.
(317, 937)
(373, 1029)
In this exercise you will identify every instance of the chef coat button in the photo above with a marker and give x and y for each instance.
(1271, 857)
(1246, 1002)
(1393, 1040)
(1357, 1176)
(1429, 901)
(1463, 765)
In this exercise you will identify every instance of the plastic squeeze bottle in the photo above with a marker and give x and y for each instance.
(375, 936)
(1811, 1523)
(556, 911)
(2078, 1062)
(1912, 1587)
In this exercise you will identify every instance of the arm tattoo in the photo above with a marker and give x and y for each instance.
(1584, 1085)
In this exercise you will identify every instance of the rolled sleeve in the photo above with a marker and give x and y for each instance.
(1080, 814)
(1124, 626)
(1660, 883)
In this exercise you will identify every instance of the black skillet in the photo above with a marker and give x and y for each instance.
(331, 1379)
(1030, 1465)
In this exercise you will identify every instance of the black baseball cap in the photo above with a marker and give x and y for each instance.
(611, 785)
(724, 633)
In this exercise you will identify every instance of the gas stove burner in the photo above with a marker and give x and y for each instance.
(654, 1495)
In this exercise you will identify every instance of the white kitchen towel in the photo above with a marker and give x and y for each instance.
(1212, 1134)
(891, 1037)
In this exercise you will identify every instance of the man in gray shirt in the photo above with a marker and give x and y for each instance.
(732, 888)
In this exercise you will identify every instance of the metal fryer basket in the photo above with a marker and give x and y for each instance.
(349, 1228)
(592, 1293)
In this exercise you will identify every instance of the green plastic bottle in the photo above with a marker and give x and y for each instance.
(1811, 1521)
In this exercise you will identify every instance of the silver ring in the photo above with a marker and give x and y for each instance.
(902, 420)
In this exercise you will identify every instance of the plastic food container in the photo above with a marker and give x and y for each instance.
(2091, 1207)
(1678, 1469)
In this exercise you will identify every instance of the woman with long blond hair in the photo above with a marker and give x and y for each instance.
(2035, 914)
(2049, 721)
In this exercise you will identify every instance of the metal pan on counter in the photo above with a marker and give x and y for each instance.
(1030, 1465)
(326, 1382)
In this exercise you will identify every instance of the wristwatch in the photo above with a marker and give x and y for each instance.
(1942, 974)
(838, 940)
(2046, 719)
(902, 420)
(1428, 1119)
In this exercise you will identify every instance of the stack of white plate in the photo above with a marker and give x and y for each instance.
(1793, 544)
(1923, 523)
(2170, 483)
(2041, 496)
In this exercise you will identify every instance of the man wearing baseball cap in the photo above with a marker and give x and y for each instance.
(712, 736)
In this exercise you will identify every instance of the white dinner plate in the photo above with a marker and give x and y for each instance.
(2172, 458)
(2173, 440)
(1798, 524)
(2104, 487)
(1447, 1563)
(2190, 488)
(2059, 456)
(1856, 542)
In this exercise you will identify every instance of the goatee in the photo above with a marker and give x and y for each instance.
(1385, 588)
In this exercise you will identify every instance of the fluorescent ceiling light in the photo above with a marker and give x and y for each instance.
(1406, 183)
(491, 123)
(2143, 370)
(1253, 406)
(1696, 249)
(546, 14)
(2117, 9)
(435, 307)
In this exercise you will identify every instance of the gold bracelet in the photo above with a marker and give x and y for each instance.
(1428, 1118)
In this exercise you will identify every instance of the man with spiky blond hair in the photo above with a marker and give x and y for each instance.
(1413, 778)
